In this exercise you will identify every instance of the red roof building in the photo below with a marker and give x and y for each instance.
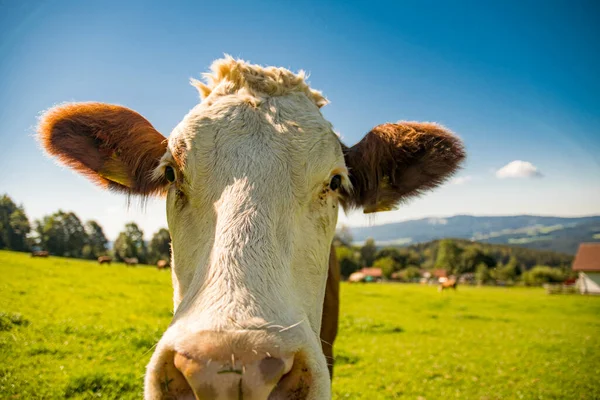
(587, 263)
(440, 273)
(587, 258)
(373, 272)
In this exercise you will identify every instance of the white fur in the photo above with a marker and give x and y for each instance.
(251, 237)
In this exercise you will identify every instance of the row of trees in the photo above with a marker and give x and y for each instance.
(130, 243)
(487, 262)
(64, 234)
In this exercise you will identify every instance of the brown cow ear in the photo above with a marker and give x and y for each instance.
(394, 162)
(113, 146)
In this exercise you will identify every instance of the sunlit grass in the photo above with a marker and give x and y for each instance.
(409, 341)
(74, 329)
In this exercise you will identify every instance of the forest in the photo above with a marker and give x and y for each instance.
(64, 234)
(482, 263)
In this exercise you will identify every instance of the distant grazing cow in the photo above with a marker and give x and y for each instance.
(105, 260)
(253, 176)
(130, 261)
(447, 283)
(162, 264)
(39, 254)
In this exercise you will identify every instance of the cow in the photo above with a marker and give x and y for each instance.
(40, 253)
(447, 283)
(104, 260)
(253, 177)
(131, 261)
(162, 264)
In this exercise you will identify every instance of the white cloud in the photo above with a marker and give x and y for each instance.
(461, 180)
(518, 169)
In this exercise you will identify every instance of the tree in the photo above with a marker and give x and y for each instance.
(402, 257)
(348, 260)
(428, 257)
(14, 226)
(62, 234)
(7, 207)
(36, 233)
(413, 258)
(411, 273)
(130, 244)
(448, 256)
(391, 252)
(508, 272)
(97, 244)
(472, 256)
(367, 252)
(388, 266)
(541, 274)
(20, 227)
(482, 274)
(160, 246)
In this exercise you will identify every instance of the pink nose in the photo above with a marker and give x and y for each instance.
(233, 365)
(248, 378)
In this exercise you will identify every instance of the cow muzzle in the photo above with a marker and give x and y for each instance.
(229, 365)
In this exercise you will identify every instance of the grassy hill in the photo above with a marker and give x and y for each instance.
(74, 329)
(547, 233)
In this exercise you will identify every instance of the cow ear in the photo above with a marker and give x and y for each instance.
(113, 146)
(394, 162)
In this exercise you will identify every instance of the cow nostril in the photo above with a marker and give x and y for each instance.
(170, 380)
(272, 369)
(296, 381)
(185, 364)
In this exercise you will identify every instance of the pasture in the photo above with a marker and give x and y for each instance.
(75, 329)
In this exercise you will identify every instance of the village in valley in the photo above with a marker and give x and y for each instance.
(448, 263)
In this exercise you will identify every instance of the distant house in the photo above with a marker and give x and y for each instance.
(372, 272)
(587, 263)
(366, 275)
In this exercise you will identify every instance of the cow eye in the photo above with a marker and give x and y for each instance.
(336, 182)
(170, 174)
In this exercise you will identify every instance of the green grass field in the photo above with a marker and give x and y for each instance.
(74, 329)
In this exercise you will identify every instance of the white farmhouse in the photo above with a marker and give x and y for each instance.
(587, 263)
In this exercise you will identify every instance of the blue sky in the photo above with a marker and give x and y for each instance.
(518, 81)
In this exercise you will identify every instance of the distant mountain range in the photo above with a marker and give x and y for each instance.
(536, 232)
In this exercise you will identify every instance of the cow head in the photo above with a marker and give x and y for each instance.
(253, 178)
